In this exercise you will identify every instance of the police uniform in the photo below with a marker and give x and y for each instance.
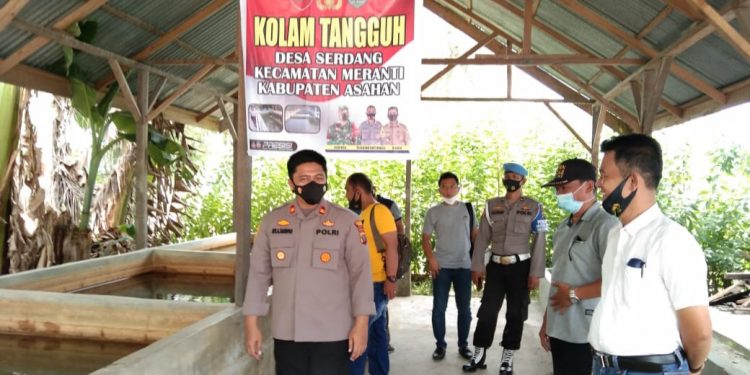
(319, 267)
(516, 232)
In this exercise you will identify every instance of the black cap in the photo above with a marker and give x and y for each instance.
(571, 170)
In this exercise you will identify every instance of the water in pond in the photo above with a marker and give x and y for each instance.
(170, 286)
(30, 355)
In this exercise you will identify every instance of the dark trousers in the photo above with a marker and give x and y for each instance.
(503, 282)
(311, 358)
(570, 358)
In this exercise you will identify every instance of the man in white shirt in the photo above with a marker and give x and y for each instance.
(653, 314)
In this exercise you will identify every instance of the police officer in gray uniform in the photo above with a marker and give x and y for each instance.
(314, 254)
(515, 227)
(579, 244)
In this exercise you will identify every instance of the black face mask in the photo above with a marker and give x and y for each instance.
(615, 203)
(511, 185)
(312, 193)
(355, 204)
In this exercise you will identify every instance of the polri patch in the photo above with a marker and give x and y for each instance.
(280, 255)
(327, 232)
(325, 257)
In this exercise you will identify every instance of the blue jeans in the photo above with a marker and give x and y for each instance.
(680, 368)
(377, 338)
(441, 285)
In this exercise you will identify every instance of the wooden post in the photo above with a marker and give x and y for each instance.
(242, 183)
(599, 113)
(141, 164)
(404, 285)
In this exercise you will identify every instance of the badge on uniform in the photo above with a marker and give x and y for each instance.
(498, 210)
(282, 223)
(328, 223)
(322, 210)
(524, 210)
(292, 209)
(280, 255)
(325, 257)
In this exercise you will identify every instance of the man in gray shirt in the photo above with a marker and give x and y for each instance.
(451, 221)
(579, 245)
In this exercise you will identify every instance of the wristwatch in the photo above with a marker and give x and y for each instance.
(391, 278)
(573, 297)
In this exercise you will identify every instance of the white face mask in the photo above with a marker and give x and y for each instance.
(451, 201)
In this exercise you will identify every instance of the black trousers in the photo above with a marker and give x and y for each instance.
(503, 282)
(311, 358)
(570, 358)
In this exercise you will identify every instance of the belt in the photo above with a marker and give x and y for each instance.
(509, 259)
(644, 363)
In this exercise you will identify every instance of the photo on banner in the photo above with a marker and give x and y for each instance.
(336, 76)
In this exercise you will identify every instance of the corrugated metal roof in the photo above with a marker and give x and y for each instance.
(711, 60)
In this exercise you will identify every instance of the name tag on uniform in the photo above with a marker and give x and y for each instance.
(281, 231)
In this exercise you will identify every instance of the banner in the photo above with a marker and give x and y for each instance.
(336, 76)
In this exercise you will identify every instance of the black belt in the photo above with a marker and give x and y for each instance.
(645, 363)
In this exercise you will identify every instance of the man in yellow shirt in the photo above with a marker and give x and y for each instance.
(383, 264)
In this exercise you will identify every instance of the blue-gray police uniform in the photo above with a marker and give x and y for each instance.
(516, 232)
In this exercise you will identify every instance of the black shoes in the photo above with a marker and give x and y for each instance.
(438, 354)
(465, 352)
(477, 361)
(391, 349)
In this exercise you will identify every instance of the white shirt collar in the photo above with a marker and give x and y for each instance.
(643, 220)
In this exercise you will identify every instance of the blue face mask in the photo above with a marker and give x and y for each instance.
(568, 203)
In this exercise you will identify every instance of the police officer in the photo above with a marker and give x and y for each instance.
(315, 254)
(515, 226)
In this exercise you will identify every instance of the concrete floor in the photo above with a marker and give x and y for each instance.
(411, 335)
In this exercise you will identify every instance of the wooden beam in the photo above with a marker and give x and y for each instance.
(692, 35)
(39, 41)
(141, 164)
(208, 112)
(687, 8)
(10, 11)
(509, 70)
(570, 128)
(575, 46)
(743, 18)
(157, 93)
(201, 61)
(628, 39)
(125, 89)
(466, 54)
(519, 59)
(70, 41)
(227, 118)
(661, 16)
(500, 99)
(179, 91)
(535, 6)
(598, 114)
(172, 35)
(727, 31)
(242, 183)
(652, 85)
(459, 21)
(528, 19)
(156, 31)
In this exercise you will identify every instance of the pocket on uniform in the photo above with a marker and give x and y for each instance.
(522, 224)
(326, 258)
(281, 257)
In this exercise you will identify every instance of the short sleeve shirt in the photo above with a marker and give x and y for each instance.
(450, 224)
(385, 224)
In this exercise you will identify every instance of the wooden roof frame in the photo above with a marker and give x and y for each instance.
(646, 83)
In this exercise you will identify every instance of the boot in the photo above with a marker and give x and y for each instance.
(477, 361)
(506, 363)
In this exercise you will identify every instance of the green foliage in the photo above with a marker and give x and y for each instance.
(714, 209)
